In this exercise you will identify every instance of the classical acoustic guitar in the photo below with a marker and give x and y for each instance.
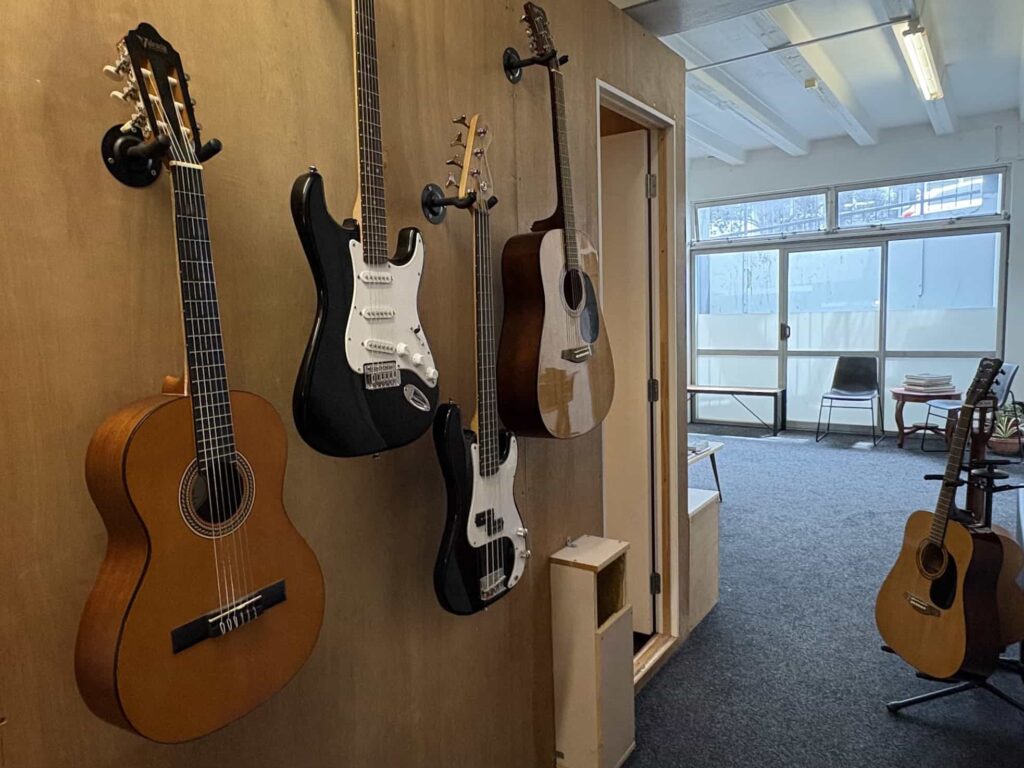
(938, 606)
(555, 371)
(208, 600)
(367, 381)
(483, 551)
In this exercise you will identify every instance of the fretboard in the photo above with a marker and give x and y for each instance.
(487, 414)
(947, 495)
(374, 231)
(562, 167)
(207, 374)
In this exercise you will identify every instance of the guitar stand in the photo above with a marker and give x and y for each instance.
(434, 204)
(514, 66)
(136, 162)
(982, 474)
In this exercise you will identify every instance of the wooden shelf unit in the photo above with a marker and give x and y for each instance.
(592, 650)
(703, 507)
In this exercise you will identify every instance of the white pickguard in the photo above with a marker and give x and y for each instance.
(389, 292)
(495, 493)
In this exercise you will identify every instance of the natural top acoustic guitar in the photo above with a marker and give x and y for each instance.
(208, 600)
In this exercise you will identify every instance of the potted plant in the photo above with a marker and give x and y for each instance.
(1006, 429)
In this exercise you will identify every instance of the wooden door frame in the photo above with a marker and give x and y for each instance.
(670, 472)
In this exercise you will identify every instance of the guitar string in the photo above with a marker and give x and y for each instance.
(492, 391)
(570, 242)
(197, 403)
(488, 569)
(234, 483)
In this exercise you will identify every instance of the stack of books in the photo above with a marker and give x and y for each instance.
(929, 383)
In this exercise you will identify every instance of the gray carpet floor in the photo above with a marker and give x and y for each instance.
(787, 670)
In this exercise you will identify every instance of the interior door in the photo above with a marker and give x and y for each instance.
(629, 499)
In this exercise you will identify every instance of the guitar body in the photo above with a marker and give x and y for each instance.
(334, 411)
(159, 575)
(540, 392)
(945, 627)
(471, 549)
(1009, 594)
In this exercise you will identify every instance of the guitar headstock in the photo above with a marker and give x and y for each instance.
(475, 177)
(539, 32)
(156, 85)
(988, 370)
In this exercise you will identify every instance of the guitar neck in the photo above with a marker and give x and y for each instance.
(374, 232)
(204, 346)
(563, 169)
(486, 382)
(940, 521)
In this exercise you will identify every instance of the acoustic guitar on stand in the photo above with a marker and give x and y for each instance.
(367, 381)
(937, 608)
(208, 600)
(555, 371)
(484, 548)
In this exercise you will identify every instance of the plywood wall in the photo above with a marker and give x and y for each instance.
(89, 321)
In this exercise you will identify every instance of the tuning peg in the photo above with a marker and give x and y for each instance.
(455, 161)
(451, 181)
(114, 71)
(481, 131)
(478, 152)
(461, 120)
(458, 141)
(127, 94)
(523, 18)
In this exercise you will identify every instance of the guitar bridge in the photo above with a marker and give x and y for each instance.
(382, 375)
(220, 622)
(921, 606)
(492, 584)
(578, 354)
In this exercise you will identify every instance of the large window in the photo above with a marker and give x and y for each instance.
(915, 295)
(762, 218)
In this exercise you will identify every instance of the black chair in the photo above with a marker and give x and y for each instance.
(854, 382)
(950, 409)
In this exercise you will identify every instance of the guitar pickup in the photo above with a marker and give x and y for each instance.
(369, 277)
(380, 346)
(487, 519)
(382, 375)
(578, 354)
(377, 313)
(225, 620)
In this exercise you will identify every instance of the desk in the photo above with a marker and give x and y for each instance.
(777, 394)
(902, 397)
(708, 453)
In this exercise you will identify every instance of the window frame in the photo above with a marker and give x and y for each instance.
(832, 230)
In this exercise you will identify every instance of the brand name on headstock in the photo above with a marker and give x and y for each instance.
(152, 45)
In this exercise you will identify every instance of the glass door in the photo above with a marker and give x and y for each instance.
(736, 327)
(833, 308)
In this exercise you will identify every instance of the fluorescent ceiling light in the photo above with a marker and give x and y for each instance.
(913, 39)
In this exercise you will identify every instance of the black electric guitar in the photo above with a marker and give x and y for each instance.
(367, 381)
(484, 548)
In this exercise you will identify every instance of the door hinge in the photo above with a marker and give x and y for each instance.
(655, 583)
(652, 185)
(653, 390)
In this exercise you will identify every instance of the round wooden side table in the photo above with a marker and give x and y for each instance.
(902, 397)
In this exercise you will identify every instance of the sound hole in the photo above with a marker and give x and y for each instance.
(943, 591)
(216, 501)
(932, 559)
(572, 289)
(218, 493)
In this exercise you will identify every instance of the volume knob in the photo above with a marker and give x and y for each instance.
(418, 359)
(402, 349)
(431, 373)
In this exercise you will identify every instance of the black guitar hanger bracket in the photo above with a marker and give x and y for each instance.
(435, 204)
(514, 65)
(136, 162)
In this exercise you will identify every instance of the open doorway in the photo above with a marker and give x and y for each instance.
(634, 150)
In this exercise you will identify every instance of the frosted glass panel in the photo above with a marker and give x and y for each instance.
(737, 300)
(943, 293)
(808, 378)
(736, 371)
(961, 368)
(834, 299)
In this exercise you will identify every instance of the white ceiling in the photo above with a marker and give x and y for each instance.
(748, 105)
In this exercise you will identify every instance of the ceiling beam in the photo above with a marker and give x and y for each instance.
(714, 144)
(669, 17)
(728, 94)
(813, 69)
(940, 111)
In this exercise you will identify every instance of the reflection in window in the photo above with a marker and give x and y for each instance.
(938, 199)
(762, 218)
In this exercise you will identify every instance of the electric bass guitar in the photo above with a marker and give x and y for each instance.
(937, 608)
(555, 371)
(367, 381)
(484, 548)
(208, 600)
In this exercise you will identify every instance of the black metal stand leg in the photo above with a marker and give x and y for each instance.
(1004, 696)
(874, 440)
(818, 437)
(896, 706)
(751, 412)
(714, 470)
